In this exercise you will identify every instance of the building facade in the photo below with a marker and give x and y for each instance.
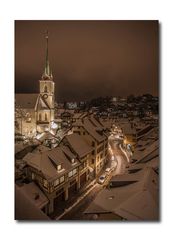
(60, 172)
(35, 112)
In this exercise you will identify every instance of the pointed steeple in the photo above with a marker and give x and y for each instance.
(47, 72)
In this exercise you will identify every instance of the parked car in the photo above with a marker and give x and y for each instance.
(108, 170)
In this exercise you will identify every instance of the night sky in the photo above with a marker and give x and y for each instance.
(88, 58)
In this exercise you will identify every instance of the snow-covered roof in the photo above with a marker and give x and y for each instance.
(93, 130)
(77, 115)
(41, 148)
(96, 122)
(30, 191)
(19, 147)
(77, 123)
(26, 206)
(26, 100)
(142, 154)
(137, 201)
(78, 144)
(106, 123)
(47, 163)
(45, 135)
(127, 128)
(67, 151)
(153, 163)
(128, 178)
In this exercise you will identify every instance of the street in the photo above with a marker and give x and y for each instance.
(117, 159)
(118, 155)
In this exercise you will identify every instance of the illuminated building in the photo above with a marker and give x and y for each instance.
(35, 112)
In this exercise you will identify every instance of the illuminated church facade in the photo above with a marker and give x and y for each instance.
(35, 111)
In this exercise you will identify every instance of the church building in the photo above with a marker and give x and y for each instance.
(35, 111)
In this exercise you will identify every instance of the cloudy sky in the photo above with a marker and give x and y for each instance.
(88, 58)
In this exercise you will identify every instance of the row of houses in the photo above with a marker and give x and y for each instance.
(64, 170)
(134, 195)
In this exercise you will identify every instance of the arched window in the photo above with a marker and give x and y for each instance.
(39, 116)
(45, 89)
(45, 116)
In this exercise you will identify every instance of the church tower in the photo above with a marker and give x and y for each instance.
(45, 110)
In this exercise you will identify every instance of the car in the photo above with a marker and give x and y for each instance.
(102, 179)
(108, 170)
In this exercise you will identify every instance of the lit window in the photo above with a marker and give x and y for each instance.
(39, 116)
(45, 116)
(70, 174)
(45, 184)
(59, 167)
(62, 179)
(33, 176)
(74, 171)
(45, 89)
(56, 182)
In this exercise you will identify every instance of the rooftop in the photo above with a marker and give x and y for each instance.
(137, 201)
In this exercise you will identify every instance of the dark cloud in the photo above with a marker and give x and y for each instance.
(89, 58)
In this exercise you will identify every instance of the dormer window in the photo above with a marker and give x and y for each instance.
(59, 167)
(73, 161)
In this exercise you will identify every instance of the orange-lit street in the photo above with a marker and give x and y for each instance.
(118, 162)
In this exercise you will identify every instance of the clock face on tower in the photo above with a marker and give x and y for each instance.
(45, 96)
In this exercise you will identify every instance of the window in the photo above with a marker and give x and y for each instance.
(45, 89)
(70, 174)
(61, 179)
(73, 161)
(45, 116)
(39, 116)
(59, 167)
(56, 182)
(33, 176)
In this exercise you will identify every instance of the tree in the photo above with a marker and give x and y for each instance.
(20, 115)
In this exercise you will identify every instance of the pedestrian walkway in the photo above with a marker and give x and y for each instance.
(64, 205)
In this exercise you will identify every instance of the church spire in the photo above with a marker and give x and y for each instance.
(47, 72)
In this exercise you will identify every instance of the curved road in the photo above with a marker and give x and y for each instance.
(119, 160)
(118, 155)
